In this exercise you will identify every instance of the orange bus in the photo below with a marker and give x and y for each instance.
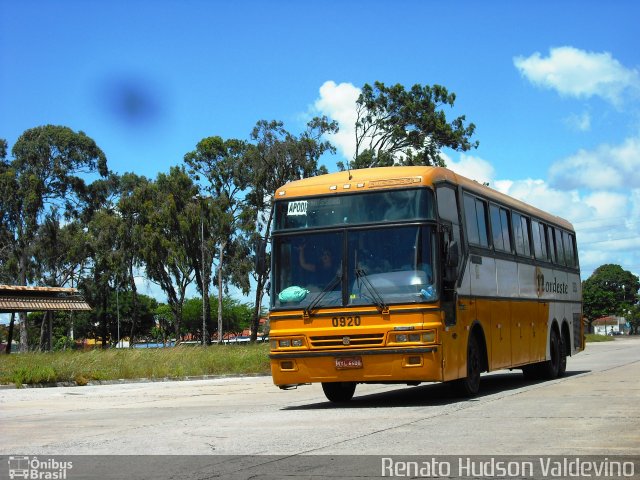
(417, 274)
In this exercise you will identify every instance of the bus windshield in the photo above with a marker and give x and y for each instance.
(382, 265)
(358, 208)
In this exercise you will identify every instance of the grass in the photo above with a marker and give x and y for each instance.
(592, 337)
(115, 364)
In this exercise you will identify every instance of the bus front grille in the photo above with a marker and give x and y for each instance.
(360, 340)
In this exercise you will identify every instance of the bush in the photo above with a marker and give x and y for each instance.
(64, 343)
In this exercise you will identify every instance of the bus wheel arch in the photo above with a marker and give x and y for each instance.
(565, 347)
(476, 362)
(551, 368)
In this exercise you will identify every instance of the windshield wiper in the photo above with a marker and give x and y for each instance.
(330, 286)
(373, 292)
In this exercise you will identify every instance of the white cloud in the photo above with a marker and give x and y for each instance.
(600, 169)
(338, 102)
(537, 192)
(471, 167)
(577, 73)
(608, 204)
(580, 123)
(598, 191)
(607, 229)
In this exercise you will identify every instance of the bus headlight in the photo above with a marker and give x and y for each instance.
(287, 343)
(428, 336)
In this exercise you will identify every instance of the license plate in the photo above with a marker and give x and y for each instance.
(343, 363)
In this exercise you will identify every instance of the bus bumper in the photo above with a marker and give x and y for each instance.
(397, 365)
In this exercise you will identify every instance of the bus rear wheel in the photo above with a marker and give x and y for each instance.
(339, 392)
(564, 345)
(551, 368)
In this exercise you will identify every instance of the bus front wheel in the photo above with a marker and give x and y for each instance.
(470, 385)
(339, 392)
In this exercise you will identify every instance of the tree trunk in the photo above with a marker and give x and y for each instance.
(206, 272)
(24, 341)
(206, 307)
(255, 322)
(43, 332)
(220, 263)
(103, 321)
(24, 344)
(10, 333)
(261, 280)
(134, 306)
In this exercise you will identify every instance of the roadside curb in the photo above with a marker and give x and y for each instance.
(124, 381)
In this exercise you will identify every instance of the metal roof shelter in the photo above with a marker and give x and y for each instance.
(38, 299)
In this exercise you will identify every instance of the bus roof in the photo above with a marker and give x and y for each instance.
(368, 179)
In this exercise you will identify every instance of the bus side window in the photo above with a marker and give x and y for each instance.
(506, 230)
(448, 211)
(562, 259)
(496, 228)
(475, 211)
(553, 252)
(521, 234)
(539, 240)
(569, 252)
(500, 228)
(447, 204)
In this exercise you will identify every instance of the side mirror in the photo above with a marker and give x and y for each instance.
(261, 257)
(453, 255)
(451, 261)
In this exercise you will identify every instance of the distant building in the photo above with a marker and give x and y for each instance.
(609, 325)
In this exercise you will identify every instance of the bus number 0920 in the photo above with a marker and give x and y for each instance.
(346, 321)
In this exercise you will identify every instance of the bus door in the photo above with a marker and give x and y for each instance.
(453, 339)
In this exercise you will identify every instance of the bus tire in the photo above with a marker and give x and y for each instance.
(339, 392)
(470, 385)
(562, 367)
(551, 368)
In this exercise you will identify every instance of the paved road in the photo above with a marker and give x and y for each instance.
(594, 410)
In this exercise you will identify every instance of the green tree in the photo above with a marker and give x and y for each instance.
(8, 266)
(126, 304)
(275, 158)
(610, 290)
(49, 170)
(633, 317)
(396, 126)
(236, 316)
(222, 167)
(102, 232)
(168, 222)
(165, 320)
(61, 254)
(6, 194)
(134, 194)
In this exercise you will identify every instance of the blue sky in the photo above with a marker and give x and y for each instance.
(553, 87)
